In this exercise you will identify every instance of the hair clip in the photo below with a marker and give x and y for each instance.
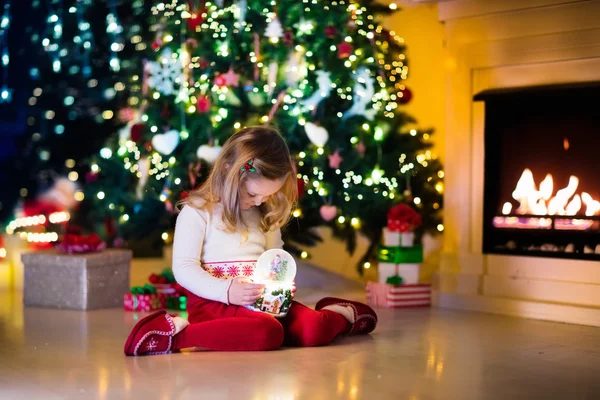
(248, 167)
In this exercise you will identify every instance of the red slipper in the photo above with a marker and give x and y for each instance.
(151, 335)
(365, 318)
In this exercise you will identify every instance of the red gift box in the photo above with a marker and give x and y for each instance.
(143, 302)
(403, 296)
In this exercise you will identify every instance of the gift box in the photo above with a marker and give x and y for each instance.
(408, 272)
(401, 255)
(395, 238)
(403, 296)
(76, 281)
(142, 302)
(177, 302)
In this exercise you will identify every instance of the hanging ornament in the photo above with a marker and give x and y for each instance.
(288, 38)
(240, 11)
(272, 77)
(165, 74)
(144, 172)
(203, 63)
(328, 212)
(344, 50)
(231, 78)
(316, 134)
(274, 30)
(295, 69)
(305, 27)
(136, 132)
(157, 44)
(166, 143)
(126, 114)
(361, 148)
(196, 19)
(203, 104)
(405, 95)
(363, 96)
(324, 83)
(220, 80)
(335, 160)
(330, 31)
(208, 153)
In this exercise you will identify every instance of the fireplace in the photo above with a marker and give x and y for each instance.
(542, 171)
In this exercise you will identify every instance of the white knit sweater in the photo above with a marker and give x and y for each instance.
(201, 239)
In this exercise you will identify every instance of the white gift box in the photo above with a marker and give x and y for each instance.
(404, 239)
(386, 270)
(409, 273)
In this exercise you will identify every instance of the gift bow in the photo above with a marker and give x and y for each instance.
(402, 218)
(146, 289)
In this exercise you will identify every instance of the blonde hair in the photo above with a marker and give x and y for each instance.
(265, 147)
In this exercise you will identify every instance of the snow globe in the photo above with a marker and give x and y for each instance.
(276, 269)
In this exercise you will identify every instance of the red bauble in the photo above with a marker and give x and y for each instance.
(288, 38)
(203, 104)
(344, 50)
(195, 20)
(330, 31)
(406, 96)
(203, 63)
(137, 131)
(156, 44)
(220, 81)
(148, 146)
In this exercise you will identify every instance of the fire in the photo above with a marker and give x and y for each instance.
(540, 202)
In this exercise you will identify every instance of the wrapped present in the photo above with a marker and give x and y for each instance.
(177, 302)
(402, 221)
(143, 298)
(76, 281)
(142, 302)
(408, 272)
(164, 282)
(403, 296)
(401, 255)
(395, 238)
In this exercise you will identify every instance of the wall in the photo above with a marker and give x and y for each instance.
(500, 44)
(424, 37)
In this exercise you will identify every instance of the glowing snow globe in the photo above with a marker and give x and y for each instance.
(276, 269)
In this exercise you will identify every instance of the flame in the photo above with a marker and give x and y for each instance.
(540, 202)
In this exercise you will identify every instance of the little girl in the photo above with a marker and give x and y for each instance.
(221, 231)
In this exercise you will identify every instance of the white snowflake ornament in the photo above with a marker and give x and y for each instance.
(165, 75)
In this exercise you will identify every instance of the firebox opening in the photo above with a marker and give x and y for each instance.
(542, 171)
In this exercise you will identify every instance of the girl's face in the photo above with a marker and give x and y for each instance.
(256, 190)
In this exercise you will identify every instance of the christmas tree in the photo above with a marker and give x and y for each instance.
(325, 73)
(77, 56)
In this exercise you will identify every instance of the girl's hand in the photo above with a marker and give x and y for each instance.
(243, 292)
(294, 290)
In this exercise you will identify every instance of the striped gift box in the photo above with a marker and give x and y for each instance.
(385, 295)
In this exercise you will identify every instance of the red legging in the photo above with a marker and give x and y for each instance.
(218, 326)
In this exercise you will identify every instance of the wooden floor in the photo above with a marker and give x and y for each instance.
(414, 354)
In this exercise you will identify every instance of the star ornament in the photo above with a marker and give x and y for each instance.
(335, 160)
(231, 78)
